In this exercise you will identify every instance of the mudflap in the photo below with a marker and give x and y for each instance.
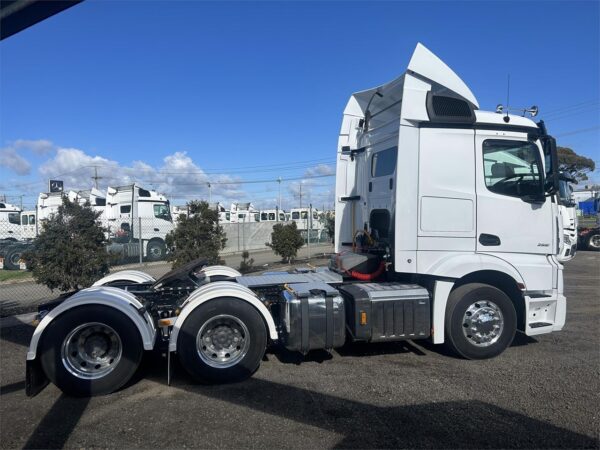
(35, 378)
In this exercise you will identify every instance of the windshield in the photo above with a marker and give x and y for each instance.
(565, 192)
(161, 211)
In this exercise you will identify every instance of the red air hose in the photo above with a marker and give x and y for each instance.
(368, 276)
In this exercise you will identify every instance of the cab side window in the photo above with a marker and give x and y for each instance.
(383, 163)
(512, 168)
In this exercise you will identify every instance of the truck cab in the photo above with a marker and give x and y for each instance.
(10, 220)
(446, 194)
(136, 214)
(567, 210)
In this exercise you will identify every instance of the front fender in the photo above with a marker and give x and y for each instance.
(215, 290)
(118, 299)
(462, 264)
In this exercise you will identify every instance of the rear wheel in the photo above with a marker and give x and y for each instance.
(481, 321)
(90, 350)
(223, 340)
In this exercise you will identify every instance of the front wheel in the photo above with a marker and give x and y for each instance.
(222, 340)
(156, 250)
(90, 350)
(593, 241)
(481, 321)
(12, 258)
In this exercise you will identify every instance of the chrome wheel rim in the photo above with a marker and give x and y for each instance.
(91, 351)
(595, 241)
(223, 341)
(483, 323)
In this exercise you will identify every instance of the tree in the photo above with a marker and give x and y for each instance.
(286, 240)
(70, 252)
(576, 165)
(330, 225)
(198, 235)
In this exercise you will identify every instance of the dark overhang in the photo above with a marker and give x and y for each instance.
(16, 15)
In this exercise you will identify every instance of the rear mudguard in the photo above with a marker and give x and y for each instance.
(135, 276)
(118, 299)
(214, 291)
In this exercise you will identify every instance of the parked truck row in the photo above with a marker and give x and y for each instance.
(431, 197)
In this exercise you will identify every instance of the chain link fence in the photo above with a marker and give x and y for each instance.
(133, 243)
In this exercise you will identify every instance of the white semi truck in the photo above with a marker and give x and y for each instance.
(431, 245)
(135, 214)
(567, 210)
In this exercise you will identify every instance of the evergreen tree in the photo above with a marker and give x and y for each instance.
(197, 236)
(286, 240)
(70, 252)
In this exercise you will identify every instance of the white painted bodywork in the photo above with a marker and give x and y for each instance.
(214, 291)
(10, 221)
(135, 276)
(126, 205)
(437, 195)
(225, 271)
(121, 300)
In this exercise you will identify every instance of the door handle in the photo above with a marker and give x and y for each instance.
(489, 240)
(156, 229)
(370, 186)
(10, 231)
(391, 183)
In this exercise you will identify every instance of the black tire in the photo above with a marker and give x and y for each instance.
(593, 241)
(459, 302)
(188, 352)
(51, 346)
(12, 256)
(156, 251)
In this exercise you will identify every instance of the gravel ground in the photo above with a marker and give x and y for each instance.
(541, 393)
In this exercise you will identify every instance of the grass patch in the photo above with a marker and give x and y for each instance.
(6, 275)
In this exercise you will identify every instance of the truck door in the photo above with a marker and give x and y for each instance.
(380, 173)
(509, 177)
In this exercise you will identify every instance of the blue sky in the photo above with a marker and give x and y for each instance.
(187, 92)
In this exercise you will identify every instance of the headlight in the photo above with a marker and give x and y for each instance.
(567, 239)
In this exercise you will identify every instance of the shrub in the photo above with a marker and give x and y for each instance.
(70, 252)
(247, 263)
(197, 236)
(286, 240)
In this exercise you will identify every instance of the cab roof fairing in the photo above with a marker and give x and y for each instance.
(424, 66)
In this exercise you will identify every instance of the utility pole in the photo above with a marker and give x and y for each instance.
(209, 193)
(279, 181)
(96, 177)
(300, 194)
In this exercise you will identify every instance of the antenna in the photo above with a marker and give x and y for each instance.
(506, 118)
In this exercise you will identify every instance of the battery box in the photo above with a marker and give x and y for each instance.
(386, 311)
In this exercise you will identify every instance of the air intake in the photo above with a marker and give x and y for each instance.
(449, 109)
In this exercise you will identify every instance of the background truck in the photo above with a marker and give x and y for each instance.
(431, 198)
(135, 214)
(567, 209)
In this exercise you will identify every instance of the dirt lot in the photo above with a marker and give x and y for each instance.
(542, 392)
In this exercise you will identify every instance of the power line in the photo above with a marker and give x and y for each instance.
(582, 130)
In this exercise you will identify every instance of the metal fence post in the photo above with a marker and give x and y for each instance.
(310, 220)
(140, 239)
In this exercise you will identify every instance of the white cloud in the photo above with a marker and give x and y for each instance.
(10, 159)
(178, 177)
(39, 146)
(321, 169)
